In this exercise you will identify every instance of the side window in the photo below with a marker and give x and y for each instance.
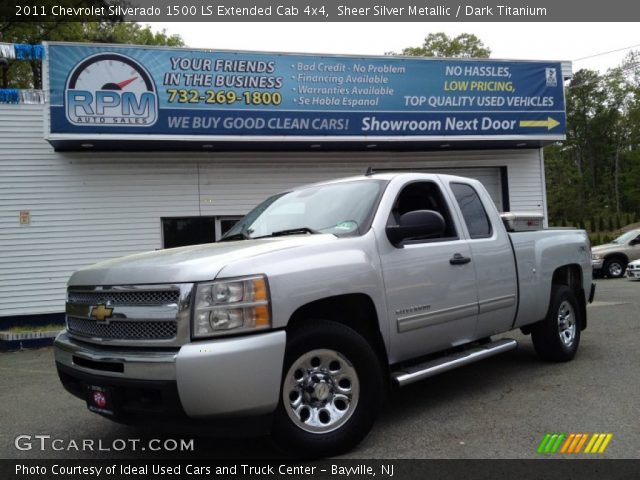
(472, 209)
(423, 196)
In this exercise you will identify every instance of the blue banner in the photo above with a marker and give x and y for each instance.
(179, 93)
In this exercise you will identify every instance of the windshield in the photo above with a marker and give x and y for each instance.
(341, 209)
(626, 237)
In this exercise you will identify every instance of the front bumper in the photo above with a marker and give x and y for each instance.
(633, 273)
(210, 379)
(597, 264)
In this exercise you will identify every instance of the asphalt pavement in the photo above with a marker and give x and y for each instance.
(498, 408)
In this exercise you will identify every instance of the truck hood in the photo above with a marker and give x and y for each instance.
(186, 264)
(607, 248)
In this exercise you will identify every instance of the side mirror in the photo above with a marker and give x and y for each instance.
(635, 241)
(416, 224)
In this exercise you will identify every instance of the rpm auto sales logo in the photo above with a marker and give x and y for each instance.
(111, 89)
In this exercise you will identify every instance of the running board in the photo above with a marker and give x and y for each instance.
(420, 371)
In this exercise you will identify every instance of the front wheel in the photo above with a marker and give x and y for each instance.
(614, 267)
(332, 390)
(556, 338)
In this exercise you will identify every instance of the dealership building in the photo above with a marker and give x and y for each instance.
(143, 148)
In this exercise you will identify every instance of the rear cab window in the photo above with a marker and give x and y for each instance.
(473, 211)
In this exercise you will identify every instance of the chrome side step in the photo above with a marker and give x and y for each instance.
(414, 373)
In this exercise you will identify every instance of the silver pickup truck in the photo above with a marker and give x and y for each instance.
(316, 304)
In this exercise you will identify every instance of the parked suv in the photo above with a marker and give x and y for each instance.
(611, 259)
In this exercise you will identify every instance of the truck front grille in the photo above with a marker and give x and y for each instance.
(128, 315)
(123, 330)
(157, 297)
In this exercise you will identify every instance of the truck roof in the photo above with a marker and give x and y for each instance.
(387, 175)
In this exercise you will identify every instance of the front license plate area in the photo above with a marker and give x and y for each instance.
(100, 399)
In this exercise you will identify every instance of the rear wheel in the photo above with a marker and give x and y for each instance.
(614, 267)
(332, 390)
(556, 338)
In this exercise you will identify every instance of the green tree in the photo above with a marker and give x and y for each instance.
(596, 172)
(28, 74)
(465, 45)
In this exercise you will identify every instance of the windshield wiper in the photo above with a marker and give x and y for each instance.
(290, 231)
(236, 236)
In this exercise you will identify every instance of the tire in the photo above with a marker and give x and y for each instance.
(331, 393)
(557, 337)
(614, 267)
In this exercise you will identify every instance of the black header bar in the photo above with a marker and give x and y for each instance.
(320, 11)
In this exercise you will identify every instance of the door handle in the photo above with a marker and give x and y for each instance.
(458, 259)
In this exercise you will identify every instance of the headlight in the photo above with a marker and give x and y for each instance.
(234, 306)
(595, 256)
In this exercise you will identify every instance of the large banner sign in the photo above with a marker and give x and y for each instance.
(168, 93)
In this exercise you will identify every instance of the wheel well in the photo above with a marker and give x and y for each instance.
(618, 255)
(355, 310)
(571, 276)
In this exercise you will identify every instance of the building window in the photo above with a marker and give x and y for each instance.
(183, 231)
(224, 224)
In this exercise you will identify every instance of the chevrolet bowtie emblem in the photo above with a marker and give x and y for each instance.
(101, 312)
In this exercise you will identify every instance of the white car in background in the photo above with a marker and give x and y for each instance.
(633, 270)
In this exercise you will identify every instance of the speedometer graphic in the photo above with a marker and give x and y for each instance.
(111, 89)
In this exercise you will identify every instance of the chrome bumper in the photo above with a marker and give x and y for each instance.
(597, 264)
(216, 378)
(139, 365)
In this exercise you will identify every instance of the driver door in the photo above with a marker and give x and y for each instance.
(431, 288)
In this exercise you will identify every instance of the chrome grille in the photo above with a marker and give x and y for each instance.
(123, 330)
(126, 315)
(157, 297)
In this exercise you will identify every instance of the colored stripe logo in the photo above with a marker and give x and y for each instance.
(574, 443)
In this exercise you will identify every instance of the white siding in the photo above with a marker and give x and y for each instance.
(90, 206)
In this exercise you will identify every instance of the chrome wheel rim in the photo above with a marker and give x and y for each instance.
(321, 391)
(615, 269)
(566, 323)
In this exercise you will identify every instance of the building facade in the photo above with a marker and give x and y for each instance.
(62, 208)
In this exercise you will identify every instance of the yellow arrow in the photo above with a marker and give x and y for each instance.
(549, 123)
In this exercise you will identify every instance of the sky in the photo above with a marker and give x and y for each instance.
(525, 41)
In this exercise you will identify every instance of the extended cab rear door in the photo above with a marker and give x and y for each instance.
(491, 254)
